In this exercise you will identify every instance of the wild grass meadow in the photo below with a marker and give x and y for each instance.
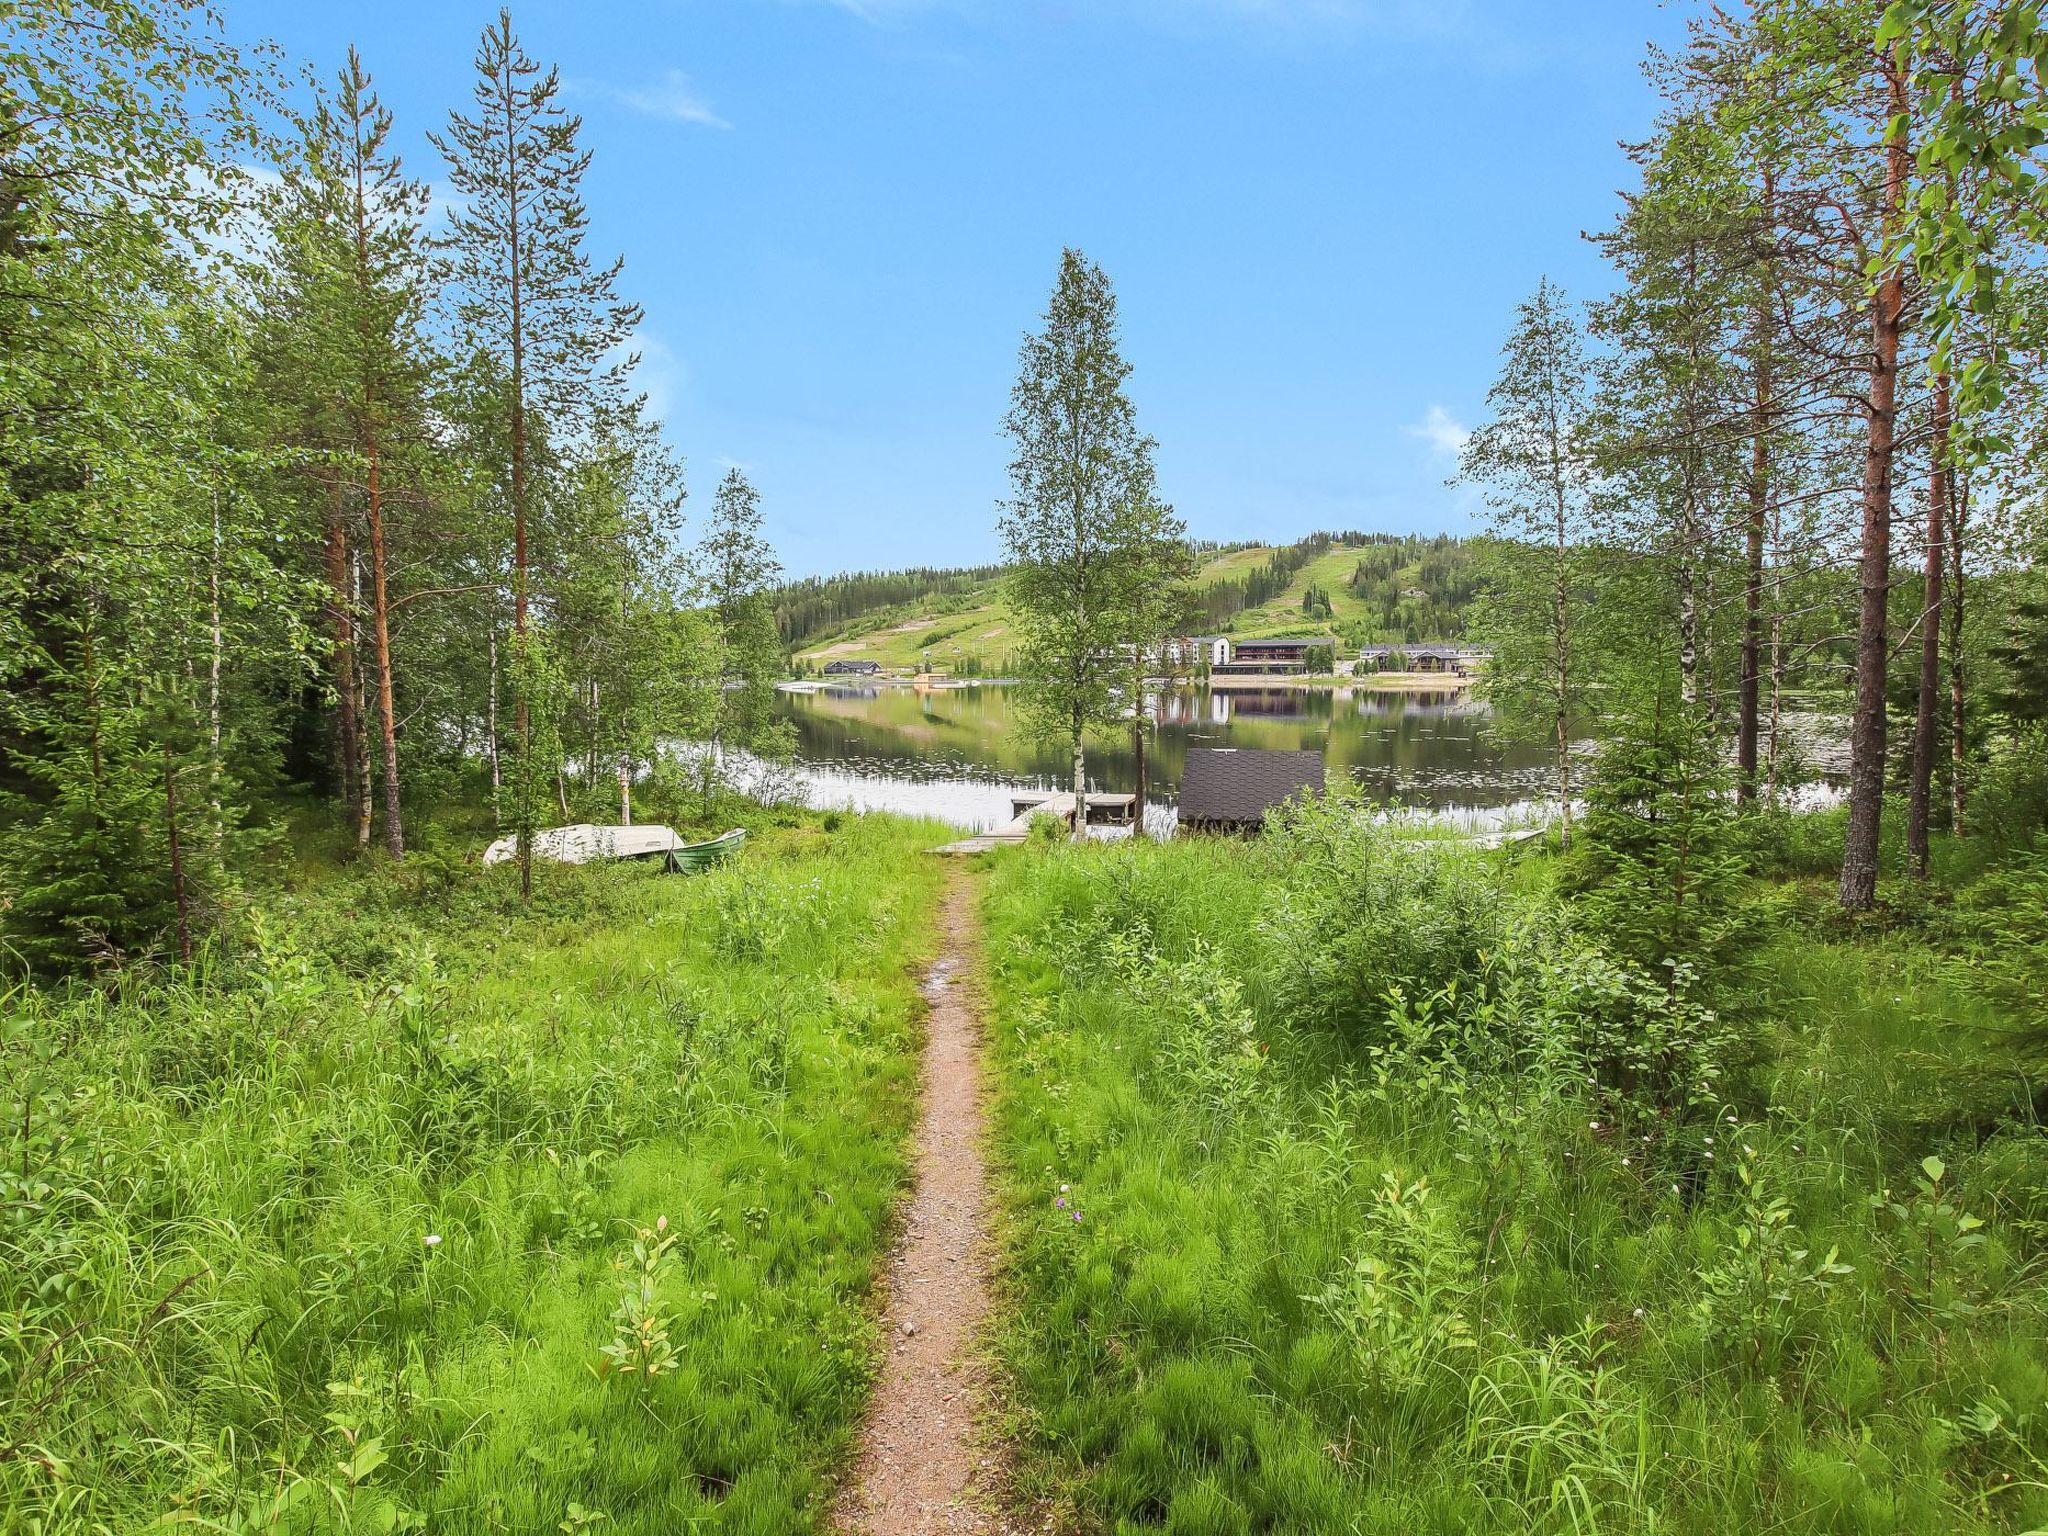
(434, 1214)
(1360, 1186)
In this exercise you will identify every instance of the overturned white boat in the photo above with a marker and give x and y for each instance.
(586, 843)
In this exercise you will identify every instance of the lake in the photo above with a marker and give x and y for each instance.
(956, 752)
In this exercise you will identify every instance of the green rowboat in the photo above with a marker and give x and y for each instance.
(692, 857)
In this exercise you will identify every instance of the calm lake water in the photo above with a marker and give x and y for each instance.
(955, 753)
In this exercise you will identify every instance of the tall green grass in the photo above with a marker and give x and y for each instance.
(339, 1237)
(1351, 1188)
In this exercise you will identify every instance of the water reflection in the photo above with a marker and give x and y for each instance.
(956, 752)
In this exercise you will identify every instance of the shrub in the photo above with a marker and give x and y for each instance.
(2009, 803)
(1353, 914)
(1999, 927)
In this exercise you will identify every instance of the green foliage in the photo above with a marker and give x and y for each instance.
(739, 571)
(820, 605)
(1661, 867)
(1536, 467)
(1513, 1251)
(1099, 562)
(642, 1344)
(1760, 1291)
(1999, 931)
(1353, 916)
(1419, 589)
(321, 1238)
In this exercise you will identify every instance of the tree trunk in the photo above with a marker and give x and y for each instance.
(1928, 703)
(347, 726)
(1749, 690)
(1746, 704)
(491, 731)
(213, 757)
(521, 720)
(1560, 623)
(1777, 702)
(1867, 726)
(387, 717)
(1080, 780)
(1138, 752)
(625, 788)
(368, 439)
(1958, 749)
(365, 774)
(180, 898)
(1688, 615)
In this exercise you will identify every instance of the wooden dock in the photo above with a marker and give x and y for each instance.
(1104, 810)
(1018, 827)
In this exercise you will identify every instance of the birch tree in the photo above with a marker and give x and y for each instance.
(1530, 459)
(1082, 516)
(738, 569)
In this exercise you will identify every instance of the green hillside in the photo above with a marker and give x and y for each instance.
(1355, 588)
(1377, 589)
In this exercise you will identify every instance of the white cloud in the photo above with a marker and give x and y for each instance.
(661, 375)
(443, 203)
(1444, 433)
(671, 98)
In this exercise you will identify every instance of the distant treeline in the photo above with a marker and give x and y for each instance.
(1418, 587)
(820, 604)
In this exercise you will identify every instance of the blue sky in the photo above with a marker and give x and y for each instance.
(841, 215)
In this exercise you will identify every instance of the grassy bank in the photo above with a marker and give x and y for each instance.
(431, 1213)
(1354, 1188)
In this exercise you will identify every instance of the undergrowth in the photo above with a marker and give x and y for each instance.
(1357, 1186)
(424, 1212)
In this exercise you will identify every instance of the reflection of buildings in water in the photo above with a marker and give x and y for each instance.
(848, 691)
(1269, 703)
(1192, 709)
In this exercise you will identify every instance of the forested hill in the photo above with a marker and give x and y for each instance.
(1355, 587)
(819, 605)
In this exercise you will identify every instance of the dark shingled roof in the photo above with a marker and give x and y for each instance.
(1238, 785)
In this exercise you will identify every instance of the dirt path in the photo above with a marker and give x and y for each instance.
(922, 1467)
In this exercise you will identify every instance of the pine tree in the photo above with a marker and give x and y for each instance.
(531, 295)
(1661, 873)
(370, 227)
(1161, 609)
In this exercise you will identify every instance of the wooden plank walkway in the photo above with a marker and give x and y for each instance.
(1017, 828)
